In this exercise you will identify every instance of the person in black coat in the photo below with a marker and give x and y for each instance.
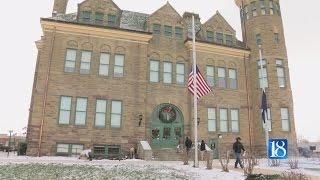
(202, 149)
(238, 148)
(188, 144)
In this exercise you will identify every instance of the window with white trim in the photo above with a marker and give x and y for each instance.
(70, 64)
(85, 62)
(223, 120)
(219, 38)
(234, 120)
(154, 70)
(65, 110)
(263, 7)
(263, 75)
(212, 121)
(104, 64)
(118, 70)
(285, 124)
(116, 114)
(254, 9)
(63, 148)
(167, 72)
(271, 7)
(222, 77)
(280, 73)
(233, 83)
(180, 73)
(101, 111)
(81, 111)
(210, 75)
(210, 36)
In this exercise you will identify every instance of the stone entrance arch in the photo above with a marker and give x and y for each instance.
(166, 126)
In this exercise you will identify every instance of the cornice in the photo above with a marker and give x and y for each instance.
(93, 31)
(216, 49)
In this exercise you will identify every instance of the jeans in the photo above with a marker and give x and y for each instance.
(238, 160)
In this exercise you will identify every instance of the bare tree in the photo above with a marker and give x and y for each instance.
(224, 161)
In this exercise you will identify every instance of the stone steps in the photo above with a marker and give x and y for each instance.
(167, 154)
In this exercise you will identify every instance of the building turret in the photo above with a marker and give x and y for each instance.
(59, 7)
(262, 25)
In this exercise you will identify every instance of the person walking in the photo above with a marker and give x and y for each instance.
(238, 148)
(202, 149)
(188, 144)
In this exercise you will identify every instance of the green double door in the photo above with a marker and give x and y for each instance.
(166, 127)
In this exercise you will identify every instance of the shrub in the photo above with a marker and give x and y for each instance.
(275, 163)
(225, 162)
(293, 176)
(293, 163)
(249, 162)
(262, 177)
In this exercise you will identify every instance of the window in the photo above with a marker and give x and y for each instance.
(154, 71)
(210, 76)
(111, 20)
(280, 73)
(70, 64)
(263, 76)
(167, 72)
(246, 12)
(222, 77)
(179, 32)
(271, 7)
(65, 110)
(276, 38)
(118, 65)
(76, 149)
(86, 16)
(258, 39)
(116, 111)
(180, 73)
(104, 64)
(219, 38)
(223, 120)
(99, 18)
(210, 36)
(81, 111)
(168, 31)
(285, 119)
(101, 110)
(233, 79)
(235, 120)
(263, 7)
(277, 8)
(85, 62)
(63, 148)
(212, 127)
(229, 40)
(269, 120)
(254, 9)
(156, 29)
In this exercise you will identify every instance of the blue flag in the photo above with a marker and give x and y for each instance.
(264, 106)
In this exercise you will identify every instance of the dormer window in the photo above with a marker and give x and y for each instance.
(99, 18)
(219, 38)
(156, 29)
(229, 40)
(210, 36)
(86, 16)
(111, 20)
(168, 31)
(179, 32)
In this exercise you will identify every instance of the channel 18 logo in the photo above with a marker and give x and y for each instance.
(278, 149)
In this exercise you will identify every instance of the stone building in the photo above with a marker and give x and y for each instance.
(107, 78)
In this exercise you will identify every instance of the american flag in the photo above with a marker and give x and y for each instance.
(202, 86)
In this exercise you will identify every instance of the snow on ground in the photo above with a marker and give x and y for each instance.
(23, 167)
(308, 166)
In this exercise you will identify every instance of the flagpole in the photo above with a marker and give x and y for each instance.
(196, 162)
(266, 127)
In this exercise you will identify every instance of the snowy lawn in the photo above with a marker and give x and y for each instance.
(307, 166)
(15, 167)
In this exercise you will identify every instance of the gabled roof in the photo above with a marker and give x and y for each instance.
(166, 6)
(114, 4)
(218, 17)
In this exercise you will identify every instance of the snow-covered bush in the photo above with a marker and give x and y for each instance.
(293, 163)
(224, 161)
(293, 176)
(249, 162)
(275, 162)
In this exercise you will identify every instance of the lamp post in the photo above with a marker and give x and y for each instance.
(9, 144)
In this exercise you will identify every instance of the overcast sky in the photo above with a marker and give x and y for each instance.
(20, 28)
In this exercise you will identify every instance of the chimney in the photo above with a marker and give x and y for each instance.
(187, 16)
(59, 7)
